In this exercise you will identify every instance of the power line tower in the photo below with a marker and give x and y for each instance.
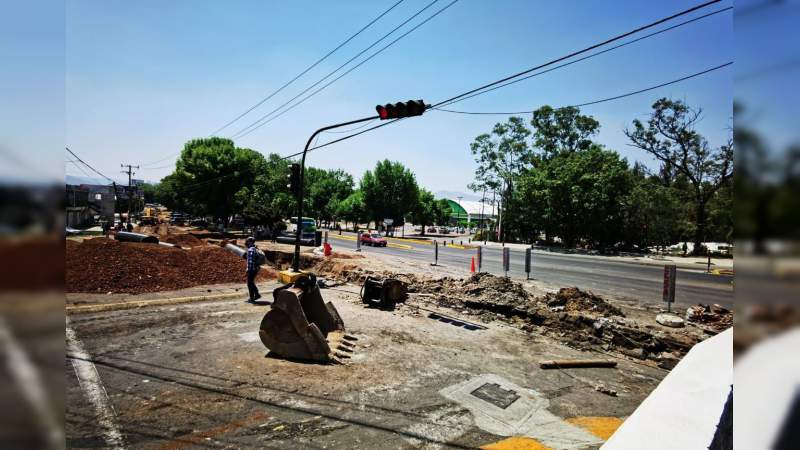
(128, 190)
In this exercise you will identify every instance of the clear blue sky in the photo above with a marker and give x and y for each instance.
(144, 77)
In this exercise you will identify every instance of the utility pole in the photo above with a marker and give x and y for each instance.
(458, 216)
(130, 173)
(494, 195)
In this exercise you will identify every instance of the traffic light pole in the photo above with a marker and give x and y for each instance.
(296, 258)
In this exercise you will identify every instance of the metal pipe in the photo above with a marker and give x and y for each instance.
(126, 236)
(236, 250)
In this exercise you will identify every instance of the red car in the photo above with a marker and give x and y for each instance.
(373, 239)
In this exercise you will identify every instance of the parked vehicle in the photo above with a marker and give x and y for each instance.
(373, 239)
(431, 230)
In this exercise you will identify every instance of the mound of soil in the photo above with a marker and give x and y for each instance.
(159, 230)
(183, 240)
(103, 265)
(580, 319)
(573, 299)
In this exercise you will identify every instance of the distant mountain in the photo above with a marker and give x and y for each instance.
(72, 179)
(455, 194)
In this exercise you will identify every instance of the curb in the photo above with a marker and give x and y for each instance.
(147, 303)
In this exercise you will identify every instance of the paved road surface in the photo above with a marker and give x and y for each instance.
(630, 280)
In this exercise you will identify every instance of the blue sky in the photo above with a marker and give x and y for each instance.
(144, 77)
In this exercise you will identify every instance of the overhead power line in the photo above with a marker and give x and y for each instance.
(260, 102)
(592, 55)
(494, 83)
(87, 165)
(261, 120)
(579, 52)
(608, 99)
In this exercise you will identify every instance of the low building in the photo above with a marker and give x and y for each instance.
(470, 212)
(78, 212)
(101, 199)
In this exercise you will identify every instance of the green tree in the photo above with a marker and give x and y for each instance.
(324, 190)
(424, 212)
(210, 173)
(442, 212)
(390, 191)
(577, 196)
(268, 200)
(501, 156)
(352, 209)
(557, 130)
(671, 138)
(430, 211)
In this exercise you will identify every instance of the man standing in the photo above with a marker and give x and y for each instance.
(252, 269)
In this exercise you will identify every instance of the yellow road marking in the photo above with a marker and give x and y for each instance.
(516, 443)
(602, 427)
(722, 272)
(352, 238)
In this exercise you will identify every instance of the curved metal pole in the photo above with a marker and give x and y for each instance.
(299, 231)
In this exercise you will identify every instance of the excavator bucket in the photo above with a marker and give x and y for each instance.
(300, 325)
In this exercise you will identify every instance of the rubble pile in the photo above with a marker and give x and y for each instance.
(573, 299)
(581, 319)
(103, 265)
(714, 317)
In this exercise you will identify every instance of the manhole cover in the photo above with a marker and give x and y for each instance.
(496, 395)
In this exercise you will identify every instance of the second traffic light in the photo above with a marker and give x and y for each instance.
(294, 180)
(401, 109)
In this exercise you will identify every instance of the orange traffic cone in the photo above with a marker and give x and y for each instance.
(472, 268)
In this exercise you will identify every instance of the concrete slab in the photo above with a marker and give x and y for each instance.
(526, 415)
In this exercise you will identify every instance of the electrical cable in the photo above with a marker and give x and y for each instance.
(607, 99)
(87, 165)
(307, 69)
(592, 55)
(489, 85)
(260, 122)
(578, 52)
(351, 129)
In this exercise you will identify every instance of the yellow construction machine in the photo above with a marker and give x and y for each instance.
(300, 325)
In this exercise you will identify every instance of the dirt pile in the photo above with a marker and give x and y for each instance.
(103, 265)
(183, 240)
(578, 318)
(575, 300)
(159, 230)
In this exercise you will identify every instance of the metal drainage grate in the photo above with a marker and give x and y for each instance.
(496, 395)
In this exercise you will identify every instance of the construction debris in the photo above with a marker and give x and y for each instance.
(109, 266)
(576, 363)
(579, 318)
(714, 317)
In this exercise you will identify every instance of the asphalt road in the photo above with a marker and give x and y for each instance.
(625, 280)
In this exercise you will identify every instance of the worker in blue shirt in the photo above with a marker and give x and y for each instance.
(252, 269)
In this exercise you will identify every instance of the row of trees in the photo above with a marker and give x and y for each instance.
(556, 181)
(213, 177)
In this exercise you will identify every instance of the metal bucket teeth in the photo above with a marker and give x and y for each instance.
(300, 325)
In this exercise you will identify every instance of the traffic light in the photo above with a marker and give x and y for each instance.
(400, 109)
(294, 180)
